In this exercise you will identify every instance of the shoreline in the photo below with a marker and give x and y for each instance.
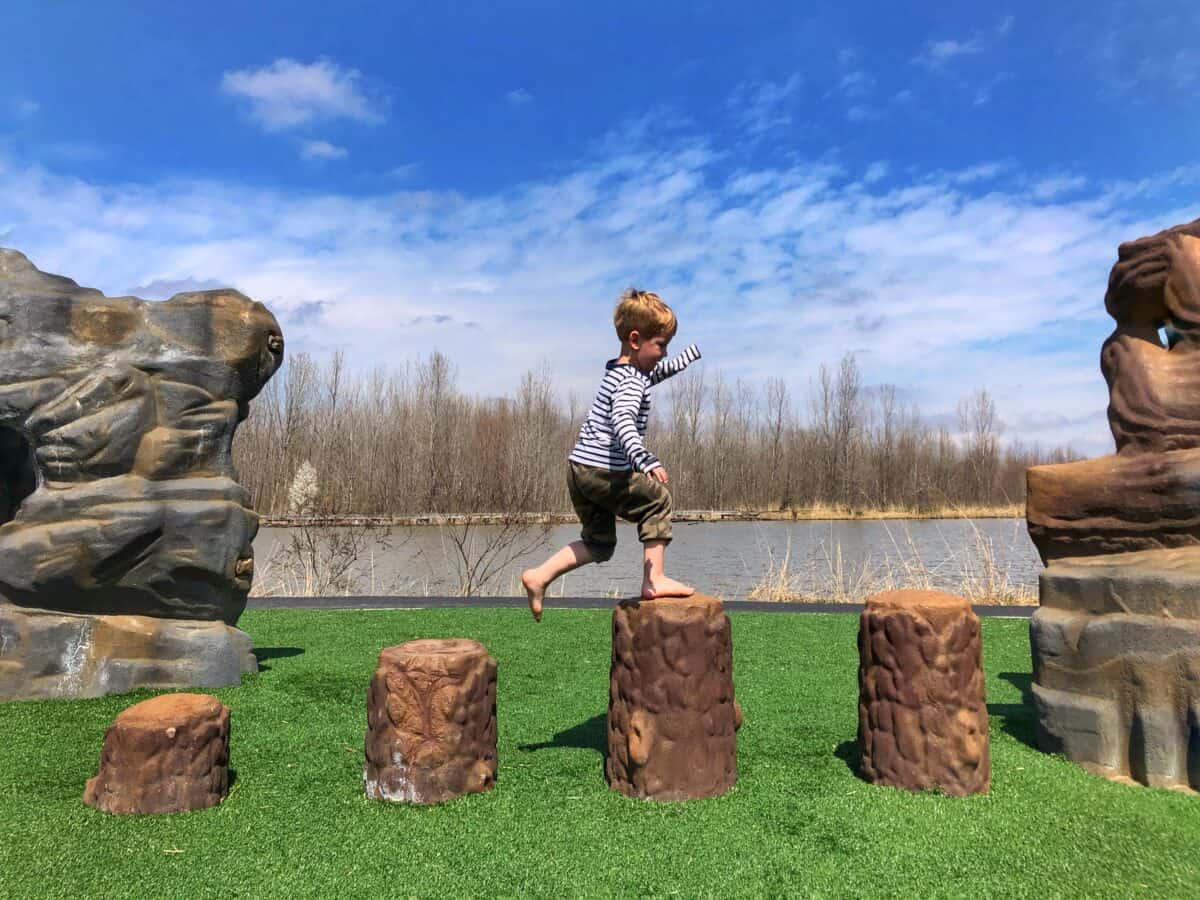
(804, 514)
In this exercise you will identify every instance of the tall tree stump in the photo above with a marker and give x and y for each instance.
(922, 716)
(672, 718)
(164, 755)
(431, 722)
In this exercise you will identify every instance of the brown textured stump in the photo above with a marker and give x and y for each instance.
(672, 719)
(922, 717)
(431, 722)
(169, 754)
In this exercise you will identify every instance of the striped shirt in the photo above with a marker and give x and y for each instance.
(611, 435)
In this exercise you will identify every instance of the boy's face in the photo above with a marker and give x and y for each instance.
(648, 352)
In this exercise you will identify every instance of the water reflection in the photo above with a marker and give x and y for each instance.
(725, 558)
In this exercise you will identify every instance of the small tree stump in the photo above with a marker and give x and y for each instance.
(431, 722)
(672, 718)
(922, 716)
(164, 755)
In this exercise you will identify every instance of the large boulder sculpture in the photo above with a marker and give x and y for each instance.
(1116, 640)
(125, 540)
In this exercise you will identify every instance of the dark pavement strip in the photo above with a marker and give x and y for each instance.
(1023, 612)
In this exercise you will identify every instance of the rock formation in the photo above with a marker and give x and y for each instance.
(431, 722)
(672, 718)
(118, 495)
(922, 715)
(169, 754)
(1116, 641)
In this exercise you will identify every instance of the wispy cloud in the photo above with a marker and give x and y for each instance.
(855, 83)
(288, 94)
(1137, 56)
(762, 106)
(983, 93)
(26, 108)
(1055, 186)
(938, 53)
(165, 288)
(322, 150)
(518, 98)
(876, 171)
(940, 281)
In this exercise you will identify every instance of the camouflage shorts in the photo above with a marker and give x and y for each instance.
(599, 496)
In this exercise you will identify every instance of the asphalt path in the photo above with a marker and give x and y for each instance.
(1022, 612)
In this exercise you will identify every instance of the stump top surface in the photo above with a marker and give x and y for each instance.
(672, 607)
(432, 648)
(169, 709)
(916, 599)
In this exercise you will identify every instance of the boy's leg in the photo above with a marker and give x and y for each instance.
(648, 503)
(654, 582)
(537, 579)
(597, 539)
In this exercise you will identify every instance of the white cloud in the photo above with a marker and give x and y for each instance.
(941, 283)
(983, 93)
(1056, 185)
(322, 150)
(403, 172)
(861, 112)
(876, 171)
(289, 94)
(857, 83)
(937, 54)
(518, 98)
(762, 106)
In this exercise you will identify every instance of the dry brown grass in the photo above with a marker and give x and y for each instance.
(972, 571)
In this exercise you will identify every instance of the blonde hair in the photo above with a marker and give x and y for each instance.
(645, 313)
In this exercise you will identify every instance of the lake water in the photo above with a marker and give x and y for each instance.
(723, 558)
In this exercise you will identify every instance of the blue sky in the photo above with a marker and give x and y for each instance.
(937, 188)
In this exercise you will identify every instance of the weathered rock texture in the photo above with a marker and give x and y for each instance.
(672, 717)
(165, 755)
(922, 714)
(1147, 496)
(1116, 665)
(117, 491)
(47, 654)
(1116, 642)
(431, 722)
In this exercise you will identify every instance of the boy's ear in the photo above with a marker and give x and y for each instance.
(635, 338)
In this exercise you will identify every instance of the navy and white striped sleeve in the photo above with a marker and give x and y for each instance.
(675, 365)
(626, 404)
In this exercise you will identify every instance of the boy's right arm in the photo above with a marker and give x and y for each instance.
(668, 367)
(626, 402)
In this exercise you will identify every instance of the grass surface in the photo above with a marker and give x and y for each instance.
(296, 822)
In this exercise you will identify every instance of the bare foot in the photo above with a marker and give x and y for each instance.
(665, 587)
(536, 591)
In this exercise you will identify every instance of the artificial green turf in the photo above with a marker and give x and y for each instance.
(297, 823)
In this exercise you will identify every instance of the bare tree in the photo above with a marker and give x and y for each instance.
(981, 433)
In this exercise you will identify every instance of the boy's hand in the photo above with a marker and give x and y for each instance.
(658, 473)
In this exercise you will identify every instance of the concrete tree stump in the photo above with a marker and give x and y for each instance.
(165, 755)
(672, 718)
(431, 722)
(922, 716)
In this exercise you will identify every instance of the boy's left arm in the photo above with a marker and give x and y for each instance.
(675, 365)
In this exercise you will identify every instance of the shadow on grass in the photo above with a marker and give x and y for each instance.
(1017, 719)
(847, 752)
(265, 653)
(589, 735)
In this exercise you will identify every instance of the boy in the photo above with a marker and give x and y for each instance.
(610, 471)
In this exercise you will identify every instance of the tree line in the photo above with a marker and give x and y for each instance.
(410, 442)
